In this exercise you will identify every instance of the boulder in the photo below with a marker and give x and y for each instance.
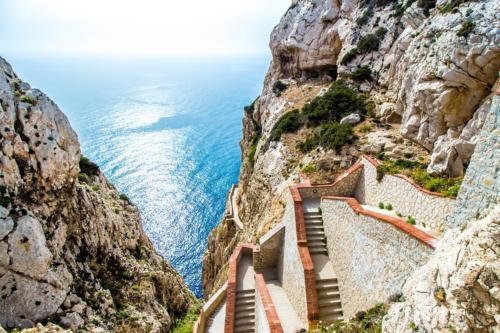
(351, 119)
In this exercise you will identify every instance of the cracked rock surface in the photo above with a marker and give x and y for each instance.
(71, 249)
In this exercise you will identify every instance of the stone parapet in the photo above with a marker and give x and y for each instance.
(208, 309)
(271, 316)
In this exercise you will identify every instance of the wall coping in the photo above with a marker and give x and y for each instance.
(271, 313)
(397, 222)
(230, 214)
(305, 258)
(208, 309)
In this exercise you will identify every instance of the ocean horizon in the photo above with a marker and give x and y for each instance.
(165, 132)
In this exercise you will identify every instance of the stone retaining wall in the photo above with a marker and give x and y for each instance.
(208, 309)
(372, 258)
(429, 209)
(290, 267)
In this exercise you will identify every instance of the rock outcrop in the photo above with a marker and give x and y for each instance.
(458, 289)
(431, 72)
(72, 249)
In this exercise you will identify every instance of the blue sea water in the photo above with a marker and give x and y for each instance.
(165, 131)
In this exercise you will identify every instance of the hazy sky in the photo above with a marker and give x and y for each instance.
(157, 27)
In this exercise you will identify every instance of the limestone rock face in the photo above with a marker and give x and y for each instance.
(70, 248)
(435, 79)
(458, 287)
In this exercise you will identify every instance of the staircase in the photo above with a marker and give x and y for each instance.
(330, 307)
(316, 241)
(244, 320)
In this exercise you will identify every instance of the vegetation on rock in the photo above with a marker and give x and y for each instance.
(185, 324)
(449, 187)
(278, 87)
(289, 122)
(467, 27)
(369, 321)
(362, 73)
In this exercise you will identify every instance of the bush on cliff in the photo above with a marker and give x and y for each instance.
(337, 102)
(369, 321)
(88, 167)
(330, 136)
(278, 87)
(289, 122)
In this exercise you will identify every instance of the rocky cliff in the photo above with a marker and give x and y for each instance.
(425, 70)
(72, 249)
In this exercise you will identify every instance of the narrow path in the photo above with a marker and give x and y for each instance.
(215, 323)
(244, 321)
(288, 317)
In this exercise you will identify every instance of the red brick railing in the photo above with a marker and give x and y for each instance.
(397, 222)
(232, 284)
(305, 258)
(271, 314)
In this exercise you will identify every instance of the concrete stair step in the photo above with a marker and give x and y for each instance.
(244, 328)
(330, 310)
(318, 251)
(331, 292)
(330, 318)
(309, 220)
(316, 242)
(244, 315)
(312, 215)
(314, 232)
(244, 296)
(249, 307)
(245, 292)
(311, 227)
(245, 301)
(244, 322)
(314, 222)
(327, 282)
(314, 237)
(327, 302)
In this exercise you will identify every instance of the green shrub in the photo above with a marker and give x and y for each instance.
(310, 168)
(467, 27)
(411, 220)
(362, 73)
(185, 325)
(381, 32)
(451, 6)
(369, 321)
(88, 167)
(349, 56)
(368, 43)
(338, 101)
(124, 197)
(426, 5)
(254, 141)
(330, 136)
(388, 207)
(278, 87)
(381, 205)
(28, 99)
(363, 19)
(289, 122)
(452, 191)
(366, 128)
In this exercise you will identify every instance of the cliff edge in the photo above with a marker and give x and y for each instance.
(72, 248)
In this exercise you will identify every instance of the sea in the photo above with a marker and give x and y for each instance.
(165, 131)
